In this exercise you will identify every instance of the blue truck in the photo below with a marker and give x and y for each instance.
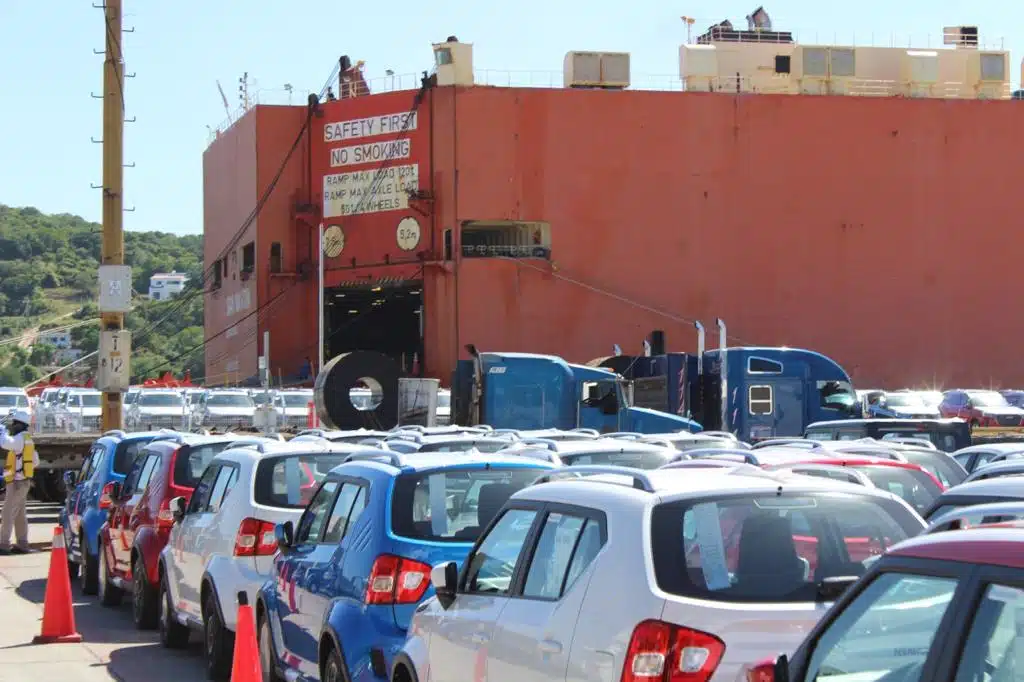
(528, 391)
(755, 393)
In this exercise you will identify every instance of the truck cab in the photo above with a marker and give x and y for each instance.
(753, 392)
(529, 391)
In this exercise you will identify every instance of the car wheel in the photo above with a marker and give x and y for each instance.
(173, 634)
(110, 595)
(145, 599)
(218, 644)
(267, 657)
(334, 667)
(88, 574)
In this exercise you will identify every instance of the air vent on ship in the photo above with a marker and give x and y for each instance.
(604, 70)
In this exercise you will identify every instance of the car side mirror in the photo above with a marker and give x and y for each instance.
(445, 578)
(284, 533)
(770, 670)
(178, 507)
(69, 479)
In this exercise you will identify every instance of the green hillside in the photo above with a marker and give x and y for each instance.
(48, 279)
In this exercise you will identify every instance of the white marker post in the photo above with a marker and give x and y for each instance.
(320, 308)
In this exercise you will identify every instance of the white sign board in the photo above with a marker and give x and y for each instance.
(369, 191)
(115, 289)
(408, 236)
(385, 124)
(371, 152)
(113, 369)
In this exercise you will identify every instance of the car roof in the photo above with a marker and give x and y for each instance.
(422, 461)
(1004, 465)
(909, 423)
(1005, 486)
(596, 445)
(990, 447)
(1003, 546)
(672, 484)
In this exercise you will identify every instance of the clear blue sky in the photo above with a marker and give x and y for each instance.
(180, 49)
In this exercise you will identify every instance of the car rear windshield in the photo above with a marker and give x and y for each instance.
(297, 399)
(636, 459)
(938, 464)
(289, 481)
(914, 486)
(12, 400)
(771, 548)
(90, 400)
(124, 455)
(191, 461)
(454, 505)
(462, 445)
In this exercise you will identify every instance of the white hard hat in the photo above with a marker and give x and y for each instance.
(21, 416)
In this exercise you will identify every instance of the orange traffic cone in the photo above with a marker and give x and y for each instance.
(245, 666)
(58, 611)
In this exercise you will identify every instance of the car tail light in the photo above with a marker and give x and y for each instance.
(669, 653)
(394, 580)
(164, 516)
(107, 497)
(255, 538)
(762, 672)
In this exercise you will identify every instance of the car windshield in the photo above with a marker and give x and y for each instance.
(9, 400)
(191, 461)
(444, 399)
(914, 486)
(229, 400)
(904, 400)
(938, 464)
(455, 505)
(886, 632)
(771, 548)
(160, 400)
(987, 399)
(297, 399)
(464, 444)
(636, 459)
(193, 398)
(90, 399)
(289, 481)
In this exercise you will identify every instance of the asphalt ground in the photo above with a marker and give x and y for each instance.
(112, 649)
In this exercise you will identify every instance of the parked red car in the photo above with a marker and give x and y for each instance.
(140, 518)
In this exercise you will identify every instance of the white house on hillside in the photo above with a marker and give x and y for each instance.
(165, 285)
(57, 338)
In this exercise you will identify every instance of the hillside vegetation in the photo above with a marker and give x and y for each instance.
(48, 279)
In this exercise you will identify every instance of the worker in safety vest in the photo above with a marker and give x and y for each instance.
(19, 466)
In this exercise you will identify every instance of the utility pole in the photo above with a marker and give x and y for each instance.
(113, 204)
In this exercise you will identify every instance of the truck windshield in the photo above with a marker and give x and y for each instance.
(297, 399)
(12, 400)
(160, 400)
(229, 400)
(838, 395)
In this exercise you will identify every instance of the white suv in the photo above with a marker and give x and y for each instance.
(223, 541)
(623, 575)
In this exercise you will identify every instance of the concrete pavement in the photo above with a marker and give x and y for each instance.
(112, 648)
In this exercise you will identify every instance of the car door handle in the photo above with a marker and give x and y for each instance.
(479, 638)
(549, 646)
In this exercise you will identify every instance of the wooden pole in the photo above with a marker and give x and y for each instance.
(113, 179)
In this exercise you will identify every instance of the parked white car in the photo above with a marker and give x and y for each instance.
(79, 411)
(444, 407)
(293, 407)
(223, 541)
(224, 408)
(13, 398)
(157, 408)
(705, 571)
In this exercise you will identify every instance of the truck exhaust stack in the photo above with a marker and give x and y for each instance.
(700, 346)
(722, 337)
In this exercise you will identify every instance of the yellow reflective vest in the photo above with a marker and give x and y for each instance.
(28, 459)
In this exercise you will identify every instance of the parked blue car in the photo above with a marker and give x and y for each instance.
(348, 579)
(109, 460)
